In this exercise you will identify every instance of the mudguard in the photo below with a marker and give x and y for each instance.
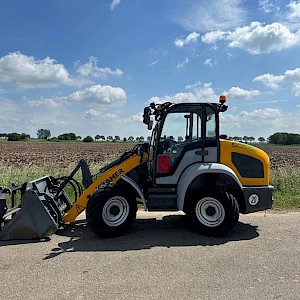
(137, 189)
(196, 170)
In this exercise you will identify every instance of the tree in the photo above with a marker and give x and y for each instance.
(251, 139)
(284, 138)
(261, 139)
(246, 138)
(13, 137)
(88, 139)
(117, 138)
(140, 139)
(131, 139)
(17, 136)
(97, 137)
(109, 138)
(3, 135)
(180, 139)
(24, 136)
(102, 137)
(67, 137)
(43, 134)
(277, 138)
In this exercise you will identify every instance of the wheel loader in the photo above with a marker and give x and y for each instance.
(186, 167)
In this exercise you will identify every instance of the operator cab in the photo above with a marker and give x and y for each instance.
(184, 134)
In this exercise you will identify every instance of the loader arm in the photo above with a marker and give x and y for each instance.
(112, 175)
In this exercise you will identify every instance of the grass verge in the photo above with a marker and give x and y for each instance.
(286, 181)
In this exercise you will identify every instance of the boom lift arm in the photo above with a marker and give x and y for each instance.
(111, 175)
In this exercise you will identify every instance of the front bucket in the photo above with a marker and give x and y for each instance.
(31, 221)
(38, 216)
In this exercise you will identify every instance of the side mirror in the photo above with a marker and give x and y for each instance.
(146, 115)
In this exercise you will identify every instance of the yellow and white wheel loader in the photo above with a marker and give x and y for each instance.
(187, 167)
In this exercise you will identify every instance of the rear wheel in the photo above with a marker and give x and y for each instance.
(111, 211)
(212, 211)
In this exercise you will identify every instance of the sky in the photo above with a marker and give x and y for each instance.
(90, 67)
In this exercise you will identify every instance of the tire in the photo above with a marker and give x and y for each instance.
(111, 211)
(212, 211)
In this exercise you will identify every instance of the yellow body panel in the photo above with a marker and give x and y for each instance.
(228, 147)
(111, 175)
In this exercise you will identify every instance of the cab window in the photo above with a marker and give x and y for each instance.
(181, 132)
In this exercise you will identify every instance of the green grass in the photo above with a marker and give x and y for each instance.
(19, 175)
(286, 181)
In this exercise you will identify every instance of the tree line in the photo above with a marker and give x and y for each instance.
(45, 134)
(15, 136)
(279, 138)
(246, 139)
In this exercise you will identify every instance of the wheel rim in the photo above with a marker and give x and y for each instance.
(210, 212)
(115, 211)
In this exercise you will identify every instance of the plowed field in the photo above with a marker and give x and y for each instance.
(283, 156)
(66, 154)
(59, 154)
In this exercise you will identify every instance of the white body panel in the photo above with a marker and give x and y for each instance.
(195, 170)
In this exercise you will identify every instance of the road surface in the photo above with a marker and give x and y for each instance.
(160, 258)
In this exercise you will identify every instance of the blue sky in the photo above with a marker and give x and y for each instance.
(91, 66)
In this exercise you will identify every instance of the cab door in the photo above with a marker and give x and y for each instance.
(188, 135)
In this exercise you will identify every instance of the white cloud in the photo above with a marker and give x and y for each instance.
(294, 10)
(270, 80)
(293, 75)
(28, 72)
(239, 93)
(50, 103)
(273, 81)
(193, 86)
(9, 116)
(213, 36)
(259, 122)
(209, 62)
(154, 62)
(114, 3)
(296, 89)
(263, 122)
(268, 6)
(199, 93)
(257, 38)
(91, 69)
(99, 94)
(191, 38)
(97, 114)
(183, 63)
(136, 118)
(211, 15)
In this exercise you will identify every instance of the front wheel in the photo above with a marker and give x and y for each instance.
(212, 212)
(111, 211)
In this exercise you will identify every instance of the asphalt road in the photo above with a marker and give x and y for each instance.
(160, 258)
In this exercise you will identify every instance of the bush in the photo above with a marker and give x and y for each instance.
(88, 139)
